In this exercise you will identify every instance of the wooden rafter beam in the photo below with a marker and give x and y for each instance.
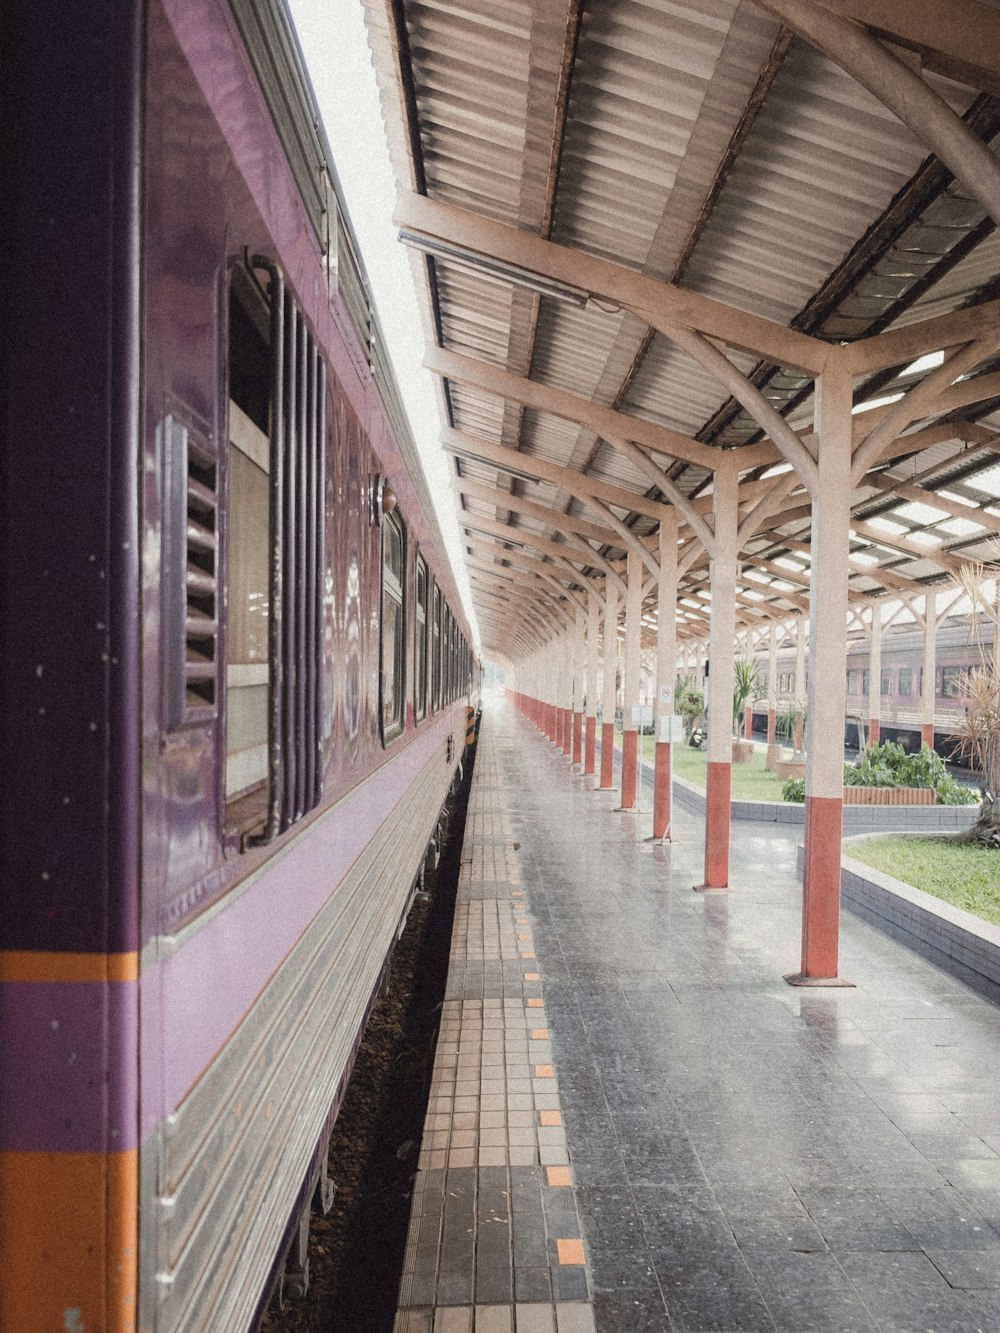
(477, 449)
(660, 304)
(554, 518)
(960, 39)
(608, 423)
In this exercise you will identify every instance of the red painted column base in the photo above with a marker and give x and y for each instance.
(577, 738)
(717, 811)
(567, 744)
(630, 759)
(927, 734)
(821, 894)
(874, 730)
(607, 756)
(590, 747)
(661, 790)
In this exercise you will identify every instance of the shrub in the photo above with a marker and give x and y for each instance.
(889, 765)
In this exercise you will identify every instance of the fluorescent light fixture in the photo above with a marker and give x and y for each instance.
(471, 457)
(864, 558)
(494, 268)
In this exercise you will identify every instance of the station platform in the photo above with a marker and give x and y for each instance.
(636, 1124)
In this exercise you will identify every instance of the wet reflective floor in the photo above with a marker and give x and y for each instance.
(747, 1156)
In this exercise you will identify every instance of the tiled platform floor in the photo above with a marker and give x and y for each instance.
(494, 1244)
(746, 1157)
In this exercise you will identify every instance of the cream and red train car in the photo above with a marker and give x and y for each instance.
(960, 647)
(236, 669)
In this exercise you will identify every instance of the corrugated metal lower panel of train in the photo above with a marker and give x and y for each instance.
(221, 1175)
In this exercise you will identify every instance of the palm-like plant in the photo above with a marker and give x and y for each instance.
(979, 729)
(746, 686)
(979, 745)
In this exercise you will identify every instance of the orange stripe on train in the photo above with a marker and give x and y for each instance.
(28, 965)
(69, 1241)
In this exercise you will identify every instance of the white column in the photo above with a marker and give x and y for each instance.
(630, 706)
(800, 693)
(827, 685)
(928, 685)
(875, 676)
(610, 650)
(725, 501)
(666, 670)
(593, 657)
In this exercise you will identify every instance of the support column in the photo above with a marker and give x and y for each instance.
(773, 748)
(666, 670)
(720, 680)
(827, 685)
(801, 683)
(630, 704)
(579, 663)
(566, 694)
(551, 711)
(610, 686)
(875, 676)
(593, 630)
(928, 690)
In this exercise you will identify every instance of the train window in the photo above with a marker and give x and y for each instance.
(248, 669)
(393, 641)
(420, 641)
(951, 682)
(866, 682)
(275, 556)
(451, 656)
(436, 649)
(906, 682)
(853, 682)
(885, 681)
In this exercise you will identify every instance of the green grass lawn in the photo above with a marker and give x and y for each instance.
(965, 874)
(751, 782)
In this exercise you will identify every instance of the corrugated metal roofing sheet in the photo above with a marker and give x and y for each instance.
(689, 139)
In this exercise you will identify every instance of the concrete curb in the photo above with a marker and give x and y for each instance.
(929, 924)
(857, 818)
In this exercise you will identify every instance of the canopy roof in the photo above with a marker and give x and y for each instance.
(641, 229)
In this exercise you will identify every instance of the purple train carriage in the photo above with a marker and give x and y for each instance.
(236, 670)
